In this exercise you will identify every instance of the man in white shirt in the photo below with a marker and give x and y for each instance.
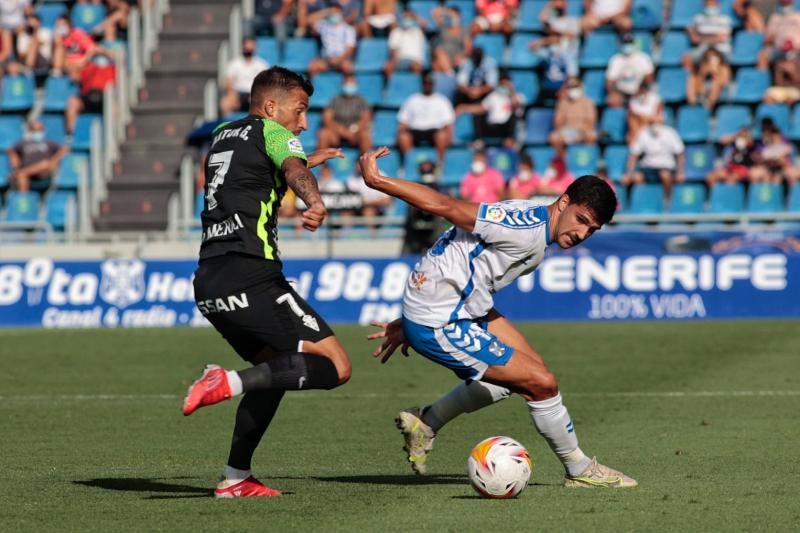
(12, 13)
(338, 42)
(601, 12)
(662, 157)
(496, 115)
(239, 76)
(626, 71)
(406, 45)
(709, 29)
(449, 315)
(426, 119)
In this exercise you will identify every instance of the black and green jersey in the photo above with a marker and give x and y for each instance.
(244, 187)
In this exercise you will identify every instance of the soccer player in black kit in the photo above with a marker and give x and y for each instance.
(239, 284)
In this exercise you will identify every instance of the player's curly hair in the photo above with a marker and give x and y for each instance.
(595, 194)
(280, 79)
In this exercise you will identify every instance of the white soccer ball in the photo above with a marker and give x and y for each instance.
(499, 467)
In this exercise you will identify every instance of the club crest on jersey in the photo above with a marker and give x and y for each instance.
(497, 350)
(123, 282)
(495, 213)
(295, 145)
(418, 279)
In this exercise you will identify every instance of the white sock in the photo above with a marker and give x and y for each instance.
(234, 382)
(466, 397)
(553, 422)
(234, 475)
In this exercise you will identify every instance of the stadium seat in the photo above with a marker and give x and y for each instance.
(594, 86)
(582, 158)
(779, 113)
(11, 130)
(463, 130)
(326, 86)
(467, 9)
(298, 53)
(683, 13)
(457, 162)
(672, 84)
(726, 6)
(18, 93)
(730, 118)
(541, 156)
(726, 198)
(268, 50)
(794, 132)
(423, 8)
(647, 14)
(414, 157)
(48, 13)
(538, 124)
(504, 160)
(53, 127)
(384, 128)
(693, 123)
(746, 46)
(70, 169)
(520, 56)
(401, 85)
(699, 161)
(82, 137)
(688, 198)
(527, 83)
(22, 206)
(528, 19)
(370, 87)
(673, 45)
(765, 198)
(87, 16)
(389, 165)
(57, 90)
(199, 203)
(371, 54)
(751, 84)
(493, 45)
(616, 159)
(597, 49)
(646, 199)
(5, 170)
(444, 84)
(614, 123)
(794, 199)
(342, 167)
(56, 208)
(644, 42)
(309, 137)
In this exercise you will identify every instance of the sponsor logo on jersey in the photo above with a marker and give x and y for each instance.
(224, 304)
(418, 279)
(224, 228)
(122, 282)
(295, 146)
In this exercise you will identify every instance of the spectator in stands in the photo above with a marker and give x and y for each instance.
(476, 77)
(6, 49)
(710, 32)
(453, 44)
(308, 13)
(707, 81)
(601, 12)
(483, 183)
(556, 178)
(741, 157)
(626, 71)
(406, 44)
(747, 10)
(116, 20)
(496, 115)
(786, 83)
(495, 16)
(523, 185)
(13, 12)
(273, 17)
(782, 40)
(347, 119)
(374, 202)
(73, 48)
(338, 42)
(421, 228)
(559, 47)
(239, 75)
(575, 117)
(34, 160)
(426, 119)
(327, 183)
(351, 11)
(379, 17)
(35, 45)
(662, 157)
(642, 109)
(775, 156)
(99, 73)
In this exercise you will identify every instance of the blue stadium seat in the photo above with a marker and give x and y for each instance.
(541, 156)
(779, 113)
(646, 199)
(87, 16)
(5, 170)
(371, 54)
(538, 124)
(765, 198)
(82, 136)
(56, 208)
(463, 130)
(726, 198)
(794, 199)
(672, 84)
(401, 85)
(582, 158)
(726, 6)
(794, 132)
(49, 13)
(53, 127)
(614, 122)
(647, 14)
(683, 13)
(751, 84)
(342, 168)
(370, 87)
(423, 9)
(389, 165)
(70, 169)
(644, 42)
(326, 86)
(467, 8)
(199, 203)
(527, 83)
(457, 162)
(688, 198)
(520, 55)
(493, 45)
(298, 53)
(699, 161)
(384, 128)
(18, 93)
(746, 46)
(309, 137)
(268, 50)
(11, 130)
(575, 8)
(673, 45)
(597, 49)
(414, 157)
(730, 118)
(57, 90)
(616, 159)
(594, 85)
(693, 123)
(444, 84)
(528, 19)
(22, 206)
(504, 160)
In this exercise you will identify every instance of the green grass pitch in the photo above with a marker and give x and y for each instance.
(705, 415)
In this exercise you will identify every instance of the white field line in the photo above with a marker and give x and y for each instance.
(344, 396)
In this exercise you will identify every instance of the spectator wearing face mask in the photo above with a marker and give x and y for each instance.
(239, 75)
(426, 119)
(406, 45)
(35, 45)
(99, 73)
(523, 185)
(34, 160)
(483, 183)
(338, 42)
(559, 47)
(496, 115)
(476, 77)
(626, 71)
(556, 178)
(782, 37)
(73, 48)
(308, 14)
(495, 16)
(710, 32)
(741, 158)
(347, 120)
(660, 152)
(775, 156)
(575, 118)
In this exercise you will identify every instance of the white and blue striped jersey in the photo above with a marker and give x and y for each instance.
(457, 277)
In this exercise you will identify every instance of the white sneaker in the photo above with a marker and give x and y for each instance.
(597, 476)
(418, 437)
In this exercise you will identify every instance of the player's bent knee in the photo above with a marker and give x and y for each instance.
(540, 383)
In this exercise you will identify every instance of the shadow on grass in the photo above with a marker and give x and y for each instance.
(388, 479)
(160, 488)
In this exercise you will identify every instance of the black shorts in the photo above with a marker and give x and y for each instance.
(423, 137)
(253, 307)
(92, 101)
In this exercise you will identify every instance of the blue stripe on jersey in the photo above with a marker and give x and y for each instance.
(443, 242)
(470, 286)
(542, 213)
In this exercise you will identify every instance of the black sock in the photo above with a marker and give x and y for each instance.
(291, 371)
(253, 416)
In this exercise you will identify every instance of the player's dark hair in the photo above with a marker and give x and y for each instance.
(595, 194)
(278, 78)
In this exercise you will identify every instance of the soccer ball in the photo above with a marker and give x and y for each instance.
(499, 467)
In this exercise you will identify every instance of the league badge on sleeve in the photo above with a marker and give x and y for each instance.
(295, 146)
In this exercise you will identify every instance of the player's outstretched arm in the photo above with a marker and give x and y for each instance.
(304, 185)
(459, 212)
(318, 157)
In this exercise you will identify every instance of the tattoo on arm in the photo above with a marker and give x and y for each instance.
(301, 181)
